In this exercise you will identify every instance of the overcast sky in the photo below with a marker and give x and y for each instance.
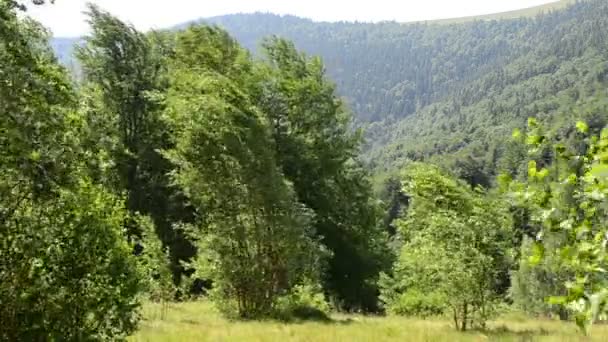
(65, 17)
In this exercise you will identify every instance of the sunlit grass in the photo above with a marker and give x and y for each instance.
(520, 13)
(198, 321)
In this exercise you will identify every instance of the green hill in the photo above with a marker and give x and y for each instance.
(454, 91)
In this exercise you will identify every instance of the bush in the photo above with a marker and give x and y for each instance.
(456, 246)
(305, 302)
(156, 262)
(415, 303)
(67, 272)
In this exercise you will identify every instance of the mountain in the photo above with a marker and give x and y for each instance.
(454, 91)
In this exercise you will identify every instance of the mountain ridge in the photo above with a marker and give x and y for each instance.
(511, 14)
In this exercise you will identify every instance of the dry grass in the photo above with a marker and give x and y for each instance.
(199, 322)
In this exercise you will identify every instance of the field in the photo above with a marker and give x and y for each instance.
(525, 12)
(199, 322)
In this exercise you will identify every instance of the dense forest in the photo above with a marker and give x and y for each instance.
(456, 170)
(450, 92)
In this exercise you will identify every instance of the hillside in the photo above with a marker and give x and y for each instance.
(457, 89)
(520, 13)
(425, 90)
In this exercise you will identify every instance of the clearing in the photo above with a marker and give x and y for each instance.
(198, 321)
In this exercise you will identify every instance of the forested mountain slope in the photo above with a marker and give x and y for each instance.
(427, 89)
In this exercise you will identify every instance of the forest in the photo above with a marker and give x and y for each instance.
(276, 170)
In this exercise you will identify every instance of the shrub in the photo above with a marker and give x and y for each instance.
(416, 303)
(67, 271)
(456, 246)
(305, 302)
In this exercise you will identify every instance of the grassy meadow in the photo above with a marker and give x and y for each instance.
(198, 321)
(529, 12)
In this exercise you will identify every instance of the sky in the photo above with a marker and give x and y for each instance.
(65, 17)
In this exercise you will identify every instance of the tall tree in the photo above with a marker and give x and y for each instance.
(254, 238)
(125, 73)
(67, 272)
(316, 151)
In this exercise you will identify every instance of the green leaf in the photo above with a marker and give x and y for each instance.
(516, 133)
(534, 140)
(538, 253)
(542, 174)
(599, 171)
(532, 168)
(557, 300)
(35, 156)
(582, 127)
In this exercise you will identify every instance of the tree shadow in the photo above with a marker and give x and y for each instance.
(306, 314)
(522, 335)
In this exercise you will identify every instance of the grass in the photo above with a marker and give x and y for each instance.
(525, 12)
(198, 321)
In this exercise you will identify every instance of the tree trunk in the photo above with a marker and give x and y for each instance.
(464, 316)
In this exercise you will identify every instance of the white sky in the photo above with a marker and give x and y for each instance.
(65, 17)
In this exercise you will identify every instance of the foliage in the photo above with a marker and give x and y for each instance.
(161, 107)
(35, 95)
(532, 284)
(156, 261)
(21, 4)
(456, 244)
(311, 130)
(442, 93)
(305, 302)
(567, 198)
(67, 272)
(255, 240)
(410, 302)
(124, 82)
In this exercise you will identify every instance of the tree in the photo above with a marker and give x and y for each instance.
(20, 5)
(157, 264)
(428, 92)
(125, 79)
(567, 198)
(120, 62)
(316, 151)
(535, 281)
(67, 271)
(255, 240)
(395, 201)
(472, 171)
(456, 244)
